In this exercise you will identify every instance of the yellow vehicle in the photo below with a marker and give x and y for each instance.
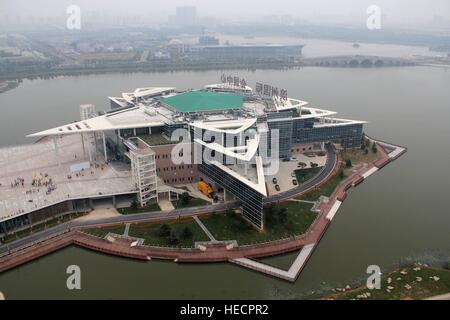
(205, 189)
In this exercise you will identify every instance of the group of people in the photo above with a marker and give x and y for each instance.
(41, 180)
(19, 182)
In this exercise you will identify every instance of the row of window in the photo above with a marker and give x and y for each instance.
(189, 166)
(166, 156)
(174, 180)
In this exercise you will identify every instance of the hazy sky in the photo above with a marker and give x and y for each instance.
(397, 12)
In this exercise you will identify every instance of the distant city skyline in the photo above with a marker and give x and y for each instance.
(413, 14)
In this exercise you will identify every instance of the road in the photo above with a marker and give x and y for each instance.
(315, 181)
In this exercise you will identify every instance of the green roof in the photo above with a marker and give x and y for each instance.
(204, 101)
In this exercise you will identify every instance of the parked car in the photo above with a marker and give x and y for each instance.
(277, 187)
(293, 175)
(294, 182)
(274, 180)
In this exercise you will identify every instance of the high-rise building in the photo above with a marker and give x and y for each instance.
(186, 16)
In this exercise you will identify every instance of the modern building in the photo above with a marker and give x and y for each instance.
(225, 134)
(249, 51)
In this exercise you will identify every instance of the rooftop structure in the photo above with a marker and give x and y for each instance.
(203, 101)
(232, 138)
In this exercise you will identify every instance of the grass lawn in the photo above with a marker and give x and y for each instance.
(149, 232)
(427, 287)
(358, 156)
(304, 175)
(326, 190)
(103, 231)
(194, 202)
(149, 208)
(232, 226)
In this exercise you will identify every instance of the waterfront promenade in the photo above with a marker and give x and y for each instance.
(61, 236)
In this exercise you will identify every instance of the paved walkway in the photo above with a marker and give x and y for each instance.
(40, 161)
(127, 230)
(209, 234)
(99, 214)
(165, 205)
(303, 201)
(289, 275)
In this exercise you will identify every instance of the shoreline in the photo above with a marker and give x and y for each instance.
(416, 287)
(9, 85)
(325, 61)
(214, 252)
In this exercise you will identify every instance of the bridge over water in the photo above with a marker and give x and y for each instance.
(355, 61)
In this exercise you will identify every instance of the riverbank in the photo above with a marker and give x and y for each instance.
(347, 61)
(159, 67)
(8, 85)
(413, 282)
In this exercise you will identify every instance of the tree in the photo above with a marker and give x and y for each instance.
(164, 230)
(282, 215)
(341, 174)
(134, 204)
(173, 239)
(348, 163)
(366, 151)
(374, 148)
(270, 214)
(302, 165)
(185, 198)
(186, 233)
(314, 165)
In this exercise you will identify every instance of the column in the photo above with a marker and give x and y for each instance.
(82, 142)
(55, 142)
(104, 146)
(89, 148)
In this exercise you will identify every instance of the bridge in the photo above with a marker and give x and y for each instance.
(355, 61)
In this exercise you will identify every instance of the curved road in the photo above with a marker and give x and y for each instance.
(323, 175)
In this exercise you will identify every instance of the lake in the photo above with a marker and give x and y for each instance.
(398, 214)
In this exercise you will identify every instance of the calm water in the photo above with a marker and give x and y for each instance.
(400, 213)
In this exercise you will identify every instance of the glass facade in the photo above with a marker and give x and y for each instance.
(349, 136)
(251, 200)
(281, 121)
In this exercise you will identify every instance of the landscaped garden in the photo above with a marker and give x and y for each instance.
(103, 231)
(326, 189)
(186, 201)
(304, 175)
(281, 221)
(182, 232)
